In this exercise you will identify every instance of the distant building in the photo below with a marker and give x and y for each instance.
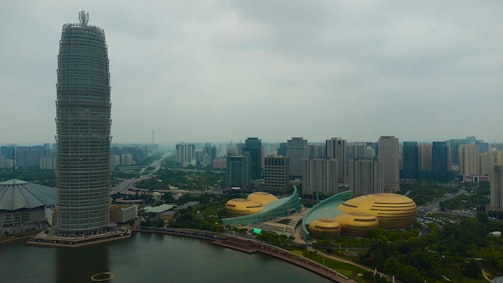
(335, 148)
(254, 147)
(219, 163)
(320, 177)
(388, 155)
(366, 176)
(127, 159)
(185, 154)
(276, 176)
(282, 149)
(317, 150)
(48, 163)
(439, 159)
(410, 160)
(297, 150)
(237, 172)
(424, 162)
(469, 160)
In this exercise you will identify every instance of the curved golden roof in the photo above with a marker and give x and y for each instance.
(392, 210)
(356, 224)
(318, 226)
(262, 197)
(240, 207)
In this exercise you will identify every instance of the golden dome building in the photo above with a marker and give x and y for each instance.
(356, 224)
(319, 226)
(260, 207)
(391, 210)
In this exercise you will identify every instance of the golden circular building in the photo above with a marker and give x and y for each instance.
(262, 197)
(240, 207)
(391, 210)
(318, 226)
(356, 224)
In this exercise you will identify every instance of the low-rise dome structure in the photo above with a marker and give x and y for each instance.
(356, 224)
(22, 202)
(318, 226)
(262, 197)
(391, 210)
(240, 207)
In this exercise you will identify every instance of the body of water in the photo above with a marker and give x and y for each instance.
(145, 258)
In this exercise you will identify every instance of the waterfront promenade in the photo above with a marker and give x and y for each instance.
(251, 246)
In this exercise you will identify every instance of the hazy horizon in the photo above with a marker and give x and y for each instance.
(227, 70)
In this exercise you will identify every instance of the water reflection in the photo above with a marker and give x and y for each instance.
(79, 264)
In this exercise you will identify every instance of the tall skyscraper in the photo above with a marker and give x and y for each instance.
(439, 159)
(237, 172)
(254, 147)
(410, 160)
(319, 177)
(388, 155)
(366, 177)
(496, 183)
(276, 176)
(297, 150)
(424, 151)
(83, 129)
(335, 148)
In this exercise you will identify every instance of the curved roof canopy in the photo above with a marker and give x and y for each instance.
(16, 194)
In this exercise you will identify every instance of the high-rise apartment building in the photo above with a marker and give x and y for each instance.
(317, 150)
(276, 175)
(319, 177)
(237, 171)
(388, 155)
(469, 160)
(185, 154)
(366, 176)
(254, 147)
(335, 148)
(496, 183)
(83, 129)
(410, 161)
(440, 159)
(297, 150)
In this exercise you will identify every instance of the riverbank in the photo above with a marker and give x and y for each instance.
(50, 240)
(251, 246)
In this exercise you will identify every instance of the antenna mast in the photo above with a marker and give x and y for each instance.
(84, 18)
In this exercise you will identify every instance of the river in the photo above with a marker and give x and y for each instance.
(145, 258)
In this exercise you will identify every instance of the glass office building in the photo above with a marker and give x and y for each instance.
(83, 129)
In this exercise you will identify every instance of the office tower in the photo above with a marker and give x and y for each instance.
(319, 177)
(424, 151)
(454, 149)
(388, 155)
(83, 122)
(237, 171)
(185, 154)
(335, 148)
(254, 147)
(316, 150)
(296, 150)
(469, 160)
(410, 160)
(276, 175)
(209, 154)
(366, 176)
(496, 183)
(439, 159)
(482, 146)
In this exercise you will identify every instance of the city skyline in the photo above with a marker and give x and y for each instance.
(420, 71)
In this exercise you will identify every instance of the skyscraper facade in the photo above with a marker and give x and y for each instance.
(439, 159)
(83, 112)
(254, 147)
(469, 160)
(237, 171)
(185, 154)
(319, 177)
(410, 160)
(388, 155)
(335, 148)
(276, 178)
(366, 177)
(424, 151)
(496, 183)
(297, 150)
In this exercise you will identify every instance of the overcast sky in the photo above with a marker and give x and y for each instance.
(227, 70)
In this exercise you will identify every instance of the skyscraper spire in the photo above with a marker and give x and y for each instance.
(84, 18)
